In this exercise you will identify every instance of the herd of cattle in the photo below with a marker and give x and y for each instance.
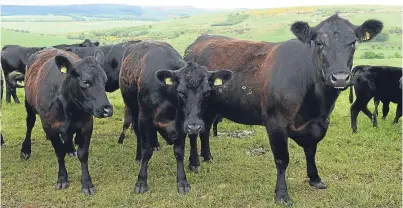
(289, 87)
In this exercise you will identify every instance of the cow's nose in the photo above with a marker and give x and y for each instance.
(193, 128)
(340, 80)
(107, 111)
(340, 77)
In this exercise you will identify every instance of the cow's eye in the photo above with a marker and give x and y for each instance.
(86, 83)
(319, 44)
(182, 95)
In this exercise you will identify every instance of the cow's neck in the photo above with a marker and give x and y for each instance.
(326, 96)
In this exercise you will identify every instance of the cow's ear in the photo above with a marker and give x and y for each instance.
(99, 56)
(303, 31)
(96, 43)
(165, 76)
(220, 77)
(63, 64)
(368, 30)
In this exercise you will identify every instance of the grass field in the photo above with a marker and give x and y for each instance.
(361, 170)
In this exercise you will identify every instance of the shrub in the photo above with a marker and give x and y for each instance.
(232, 20)
(381, 37)
(372, 55)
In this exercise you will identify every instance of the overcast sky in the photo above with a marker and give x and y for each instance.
(209, 3)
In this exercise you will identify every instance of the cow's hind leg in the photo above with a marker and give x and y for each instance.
(359, 104)
(13, 92)
(127, 120)
(385, 109)
(194, 161)
(62, 179)
(398, 113)
(26, 145)
(83, 139)
(8, 92)
(375, 113)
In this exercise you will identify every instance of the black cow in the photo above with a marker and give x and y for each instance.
(14, 59)
(289, 87)
(85, 43)
(111, 65)
(112, 62)
(166, 95)
(383, 83)
(66, 92)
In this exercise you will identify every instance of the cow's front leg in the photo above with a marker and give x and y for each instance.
(83, 138)
(312, 171)
(179, 151)
(147, 133)
(62, 179)
(278, 142)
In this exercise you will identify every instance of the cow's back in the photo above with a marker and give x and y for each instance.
(383, 81)
(142, 60)
(42, 79)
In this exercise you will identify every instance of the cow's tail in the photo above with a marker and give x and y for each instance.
(16, 79)
(351, 96)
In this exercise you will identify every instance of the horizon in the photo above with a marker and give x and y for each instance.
(206, 4)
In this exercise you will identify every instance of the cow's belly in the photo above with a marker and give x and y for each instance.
(239, 108)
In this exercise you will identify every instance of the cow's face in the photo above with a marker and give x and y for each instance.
(193, 85)
(334, 42)
(86, 84)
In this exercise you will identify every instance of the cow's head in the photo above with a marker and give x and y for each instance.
(85, 84)
(193, 85)
(334, 42)
(88, 43)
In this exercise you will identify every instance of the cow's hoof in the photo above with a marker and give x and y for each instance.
(193, 168)
(318, 184)
(73, 154)
(354, 131)
(25, 156)
(384, 118)
(121, 138)
(156, 149)
(89, 191)
(62, 185)
(207, 158)
(140, 187)
(183, 187)
(283, 199)
(138, 161)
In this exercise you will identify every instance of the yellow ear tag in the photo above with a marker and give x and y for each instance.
(217, 82)
(63, 70)
(168, 81)
(367, 35)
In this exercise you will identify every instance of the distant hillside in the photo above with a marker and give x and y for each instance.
(104, 11)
